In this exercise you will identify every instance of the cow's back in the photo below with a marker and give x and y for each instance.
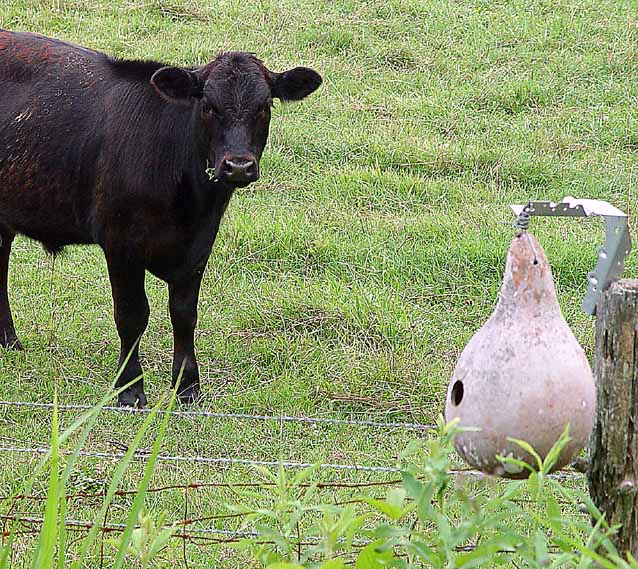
(50, 118)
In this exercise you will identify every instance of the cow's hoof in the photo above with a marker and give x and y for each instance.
(132, 398)
(189, 394)
(9, 340)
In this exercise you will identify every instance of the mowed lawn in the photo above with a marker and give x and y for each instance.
(346, 282)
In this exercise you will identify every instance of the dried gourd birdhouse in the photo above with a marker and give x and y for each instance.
(523, 375)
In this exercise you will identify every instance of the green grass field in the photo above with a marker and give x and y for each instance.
(345, 282)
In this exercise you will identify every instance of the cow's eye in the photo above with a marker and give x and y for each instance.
(264, 113)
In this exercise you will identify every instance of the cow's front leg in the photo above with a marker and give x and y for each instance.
(183, 297)
(131, 317)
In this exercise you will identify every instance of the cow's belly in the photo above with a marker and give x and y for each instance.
(44, 192)
(42, 205)
(53, 238)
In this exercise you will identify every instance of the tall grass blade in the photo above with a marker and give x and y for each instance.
(45, 548)
(6, 551)
(115, 481)
(62, 528)
(86, 419)
(138, 502)
(90, 416)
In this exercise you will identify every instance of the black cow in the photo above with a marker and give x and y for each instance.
(136, 157)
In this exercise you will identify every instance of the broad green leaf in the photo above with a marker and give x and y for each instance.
(519, 464)
(375, 556)
(161, 541)
(488, 551)
(554, 454)
(62, 522)
(424, 552)
(396, 497)
(413, 487)
(513, 489)
(334, 564)
(6, 550)
(530, 449)
(413, 447)
(303, 475)
(554, 515)
(393, 512)
(540, 548)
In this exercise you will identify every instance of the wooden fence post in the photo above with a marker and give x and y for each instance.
(613, 467)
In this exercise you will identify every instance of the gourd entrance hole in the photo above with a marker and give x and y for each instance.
(457, 393)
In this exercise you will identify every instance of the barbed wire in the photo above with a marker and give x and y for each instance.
(178, 528)
(207, 485)
(212, 536)
(112, 527)
(229, 536)
(219, 415)
(210, 460)
(567, 475)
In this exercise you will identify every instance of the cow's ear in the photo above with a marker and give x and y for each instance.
(295, 84)
(176, 84)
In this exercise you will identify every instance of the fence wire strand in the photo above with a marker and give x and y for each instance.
(241, 416)
(568, 475)
(179, 530)
(210, 460)
(212, 536)
(208, 485)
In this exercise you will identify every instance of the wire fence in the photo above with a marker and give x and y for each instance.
(185, 529)
(242, 416)
(567, 475)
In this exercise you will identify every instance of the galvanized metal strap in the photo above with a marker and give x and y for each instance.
(611, 256)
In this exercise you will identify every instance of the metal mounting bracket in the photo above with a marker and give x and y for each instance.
(611, 256)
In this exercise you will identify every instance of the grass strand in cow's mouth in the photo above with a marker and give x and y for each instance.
(210, 172)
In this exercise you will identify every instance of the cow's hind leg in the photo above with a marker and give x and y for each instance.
(8, 338)
(131, 318)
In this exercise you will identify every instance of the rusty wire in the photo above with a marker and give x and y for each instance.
(205, 485)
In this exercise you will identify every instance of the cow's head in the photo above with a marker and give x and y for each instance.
(232, 97)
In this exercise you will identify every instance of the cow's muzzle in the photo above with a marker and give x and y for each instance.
(238, 170)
